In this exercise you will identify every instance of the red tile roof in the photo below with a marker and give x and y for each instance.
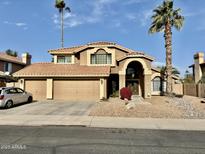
(102, 43)
(76, 49)
(8, 58)
(70, 50)
(135, 54)
(62, 70)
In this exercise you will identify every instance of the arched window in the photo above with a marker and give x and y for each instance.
(157, 84)
(101, 57)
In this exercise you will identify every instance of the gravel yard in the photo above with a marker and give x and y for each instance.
(156, 107)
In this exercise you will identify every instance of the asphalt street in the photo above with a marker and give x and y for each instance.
(82, 140)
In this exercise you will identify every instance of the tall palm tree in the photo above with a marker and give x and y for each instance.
(164, 18)
(61, 6)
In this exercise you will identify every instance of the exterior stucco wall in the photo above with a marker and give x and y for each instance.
(94, 50)
(83, 58)
(146, 84)
(119, 53)
(49, 89)
(1, 66)
(198, 59)
(16, 67)
(145, 63)
(103, 88)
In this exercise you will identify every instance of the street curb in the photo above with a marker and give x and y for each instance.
(104, 122)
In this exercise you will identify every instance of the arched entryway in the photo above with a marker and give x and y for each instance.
(135, 78)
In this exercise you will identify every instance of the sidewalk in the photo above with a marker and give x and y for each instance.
(104, 122)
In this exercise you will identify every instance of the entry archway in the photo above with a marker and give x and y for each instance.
(135, 78)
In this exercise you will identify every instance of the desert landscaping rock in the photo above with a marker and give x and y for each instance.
(157, 107)
(136, 100)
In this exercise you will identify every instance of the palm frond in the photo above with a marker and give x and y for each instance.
(68, 9)
(165, 13)
(60, 4)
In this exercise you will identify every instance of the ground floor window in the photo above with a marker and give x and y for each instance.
(157, 84)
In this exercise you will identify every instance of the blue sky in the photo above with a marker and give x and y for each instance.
(33, 26)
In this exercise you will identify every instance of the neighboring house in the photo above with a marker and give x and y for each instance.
(198, 67)
(92, 72)
(10, 64)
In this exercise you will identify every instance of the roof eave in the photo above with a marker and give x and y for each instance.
(12, 61)
(137, 56)
(59, 76)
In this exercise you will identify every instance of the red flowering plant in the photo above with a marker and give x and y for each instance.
(125, 93)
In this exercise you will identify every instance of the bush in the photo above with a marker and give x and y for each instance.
(125, 93)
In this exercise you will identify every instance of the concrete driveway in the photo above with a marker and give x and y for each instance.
(50, 108)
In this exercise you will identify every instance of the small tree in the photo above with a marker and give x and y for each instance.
(11, 53)
(188, 77)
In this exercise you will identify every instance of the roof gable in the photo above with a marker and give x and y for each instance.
(12, 59)
(76, 49)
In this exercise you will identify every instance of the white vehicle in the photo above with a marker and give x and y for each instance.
(10, 96)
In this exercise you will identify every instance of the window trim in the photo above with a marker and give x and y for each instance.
(64, 59)
(160, 87)
(7, 67)
(97, 58)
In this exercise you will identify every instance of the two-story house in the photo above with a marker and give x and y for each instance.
(10, 64)
(198, 67)
(91, 72)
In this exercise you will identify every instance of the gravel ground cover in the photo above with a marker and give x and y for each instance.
(157, 107)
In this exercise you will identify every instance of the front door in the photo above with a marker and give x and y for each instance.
(134, 86)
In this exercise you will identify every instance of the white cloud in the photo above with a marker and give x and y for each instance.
(146, 15)
(98, 11)
(194, 14)
(6, 22)
(158, 64)
(129, 2)
(20, 24)
(99, 6)
(201, 27)
(131, 16)
(17, 24)
(70, 20)
(143, 17)
(6, 3)
(101, 10)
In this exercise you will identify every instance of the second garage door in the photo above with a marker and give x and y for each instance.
(77, 90)
(37, 88)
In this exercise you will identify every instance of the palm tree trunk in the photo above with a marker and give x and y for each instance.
(168, 46)
(62, 28)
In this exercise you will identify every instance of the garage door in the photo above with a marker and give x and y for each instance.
(77, 90)
(37, 88)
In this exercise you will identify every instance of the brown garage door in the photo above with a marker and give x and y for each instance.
(77, 90)
(37, 88)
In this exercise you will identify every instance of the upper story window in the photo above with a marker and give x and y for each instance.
(7, 67)
(64, 59)
(101, 57)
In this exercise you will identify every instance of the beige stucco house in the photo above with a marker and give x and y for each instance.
(198, 67)
(10, 64)
(92, 72)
